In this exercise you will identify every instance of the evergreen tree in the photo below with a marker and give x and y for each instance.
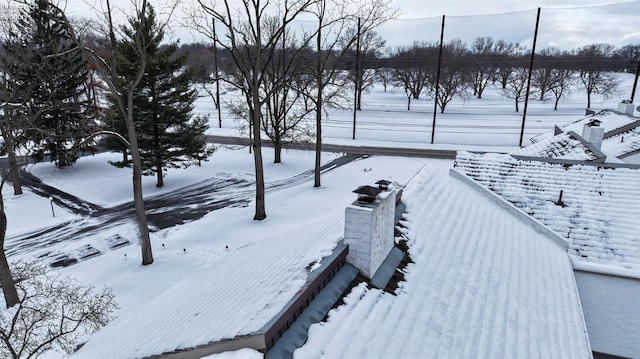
(55, 78)
(168, 135)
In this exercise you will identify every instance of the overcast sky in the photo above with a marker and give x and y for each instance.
(564, 24)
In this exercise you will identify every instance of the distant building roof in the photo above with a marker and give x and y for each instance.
(601, 204)
(621, 138)
(609, 119)
(623, 144)
(562, 146)
(483, 285)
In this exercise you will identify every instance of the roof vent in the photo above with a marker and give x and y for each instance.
(594, 122)
(383, 184)
(367, 194)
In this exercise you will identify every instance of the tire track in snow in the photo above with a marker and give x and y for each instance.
(104, 229)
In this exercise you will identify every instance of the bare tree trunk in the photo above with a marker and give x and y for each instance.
(13, 162)
(159, 175)
(277, 147)
(138, 200)
(6, 279)
(260, 213)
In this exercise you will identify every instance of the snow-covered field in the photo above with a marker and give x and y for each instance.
(469, 121)
(231, 272)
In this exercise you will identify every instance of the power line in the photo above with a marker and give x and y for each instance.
(533, 9)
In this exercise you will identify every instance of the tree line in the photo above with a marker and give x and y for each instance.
(466, 69)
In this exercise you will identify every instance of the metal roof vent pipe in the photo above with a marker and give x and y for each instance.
(593, 133)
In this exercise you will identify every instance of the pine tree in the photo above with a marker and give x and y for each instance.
(168, 135)
(55, 78)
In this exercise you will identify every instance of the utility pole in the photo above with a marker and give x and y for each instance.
(635, 81)
(215, 65)
(526, 97)
(356, 81)
(435, 104)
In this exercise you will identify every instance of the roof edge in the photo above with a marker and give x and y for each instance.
(604, 269)
(567, 162)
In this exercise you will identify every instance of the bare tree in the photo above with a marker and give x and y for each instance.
(14, 91)
(483, 64)
(516, 86)
(453, 75)
(10, 128)
(543, 74)
(53, 312)
(504, 54)
(593, 63)
(370, 47)
(108, 72)
(412, 66)
(125, 103)
(252, 49)
(287, 112)
(334, 19)
(7, 282)
(627, 58)
(561, 82)
(384, 76)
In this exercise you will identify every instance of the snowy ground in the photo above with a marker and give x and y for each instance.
(194, 271)
(469, 121)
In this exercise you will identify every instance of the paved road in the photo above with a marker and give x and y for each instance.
(356, 150)
(98, 229)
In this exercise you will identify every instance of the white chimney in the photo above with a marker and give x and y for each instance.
(626, 107)
(593, 133)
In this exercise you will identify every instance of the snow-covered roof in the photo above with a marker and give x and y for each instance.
(483, 285)
(562, 146)
(622, 144)
(236, 294)
(609, 119)
(598, 212)
(621, 139)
